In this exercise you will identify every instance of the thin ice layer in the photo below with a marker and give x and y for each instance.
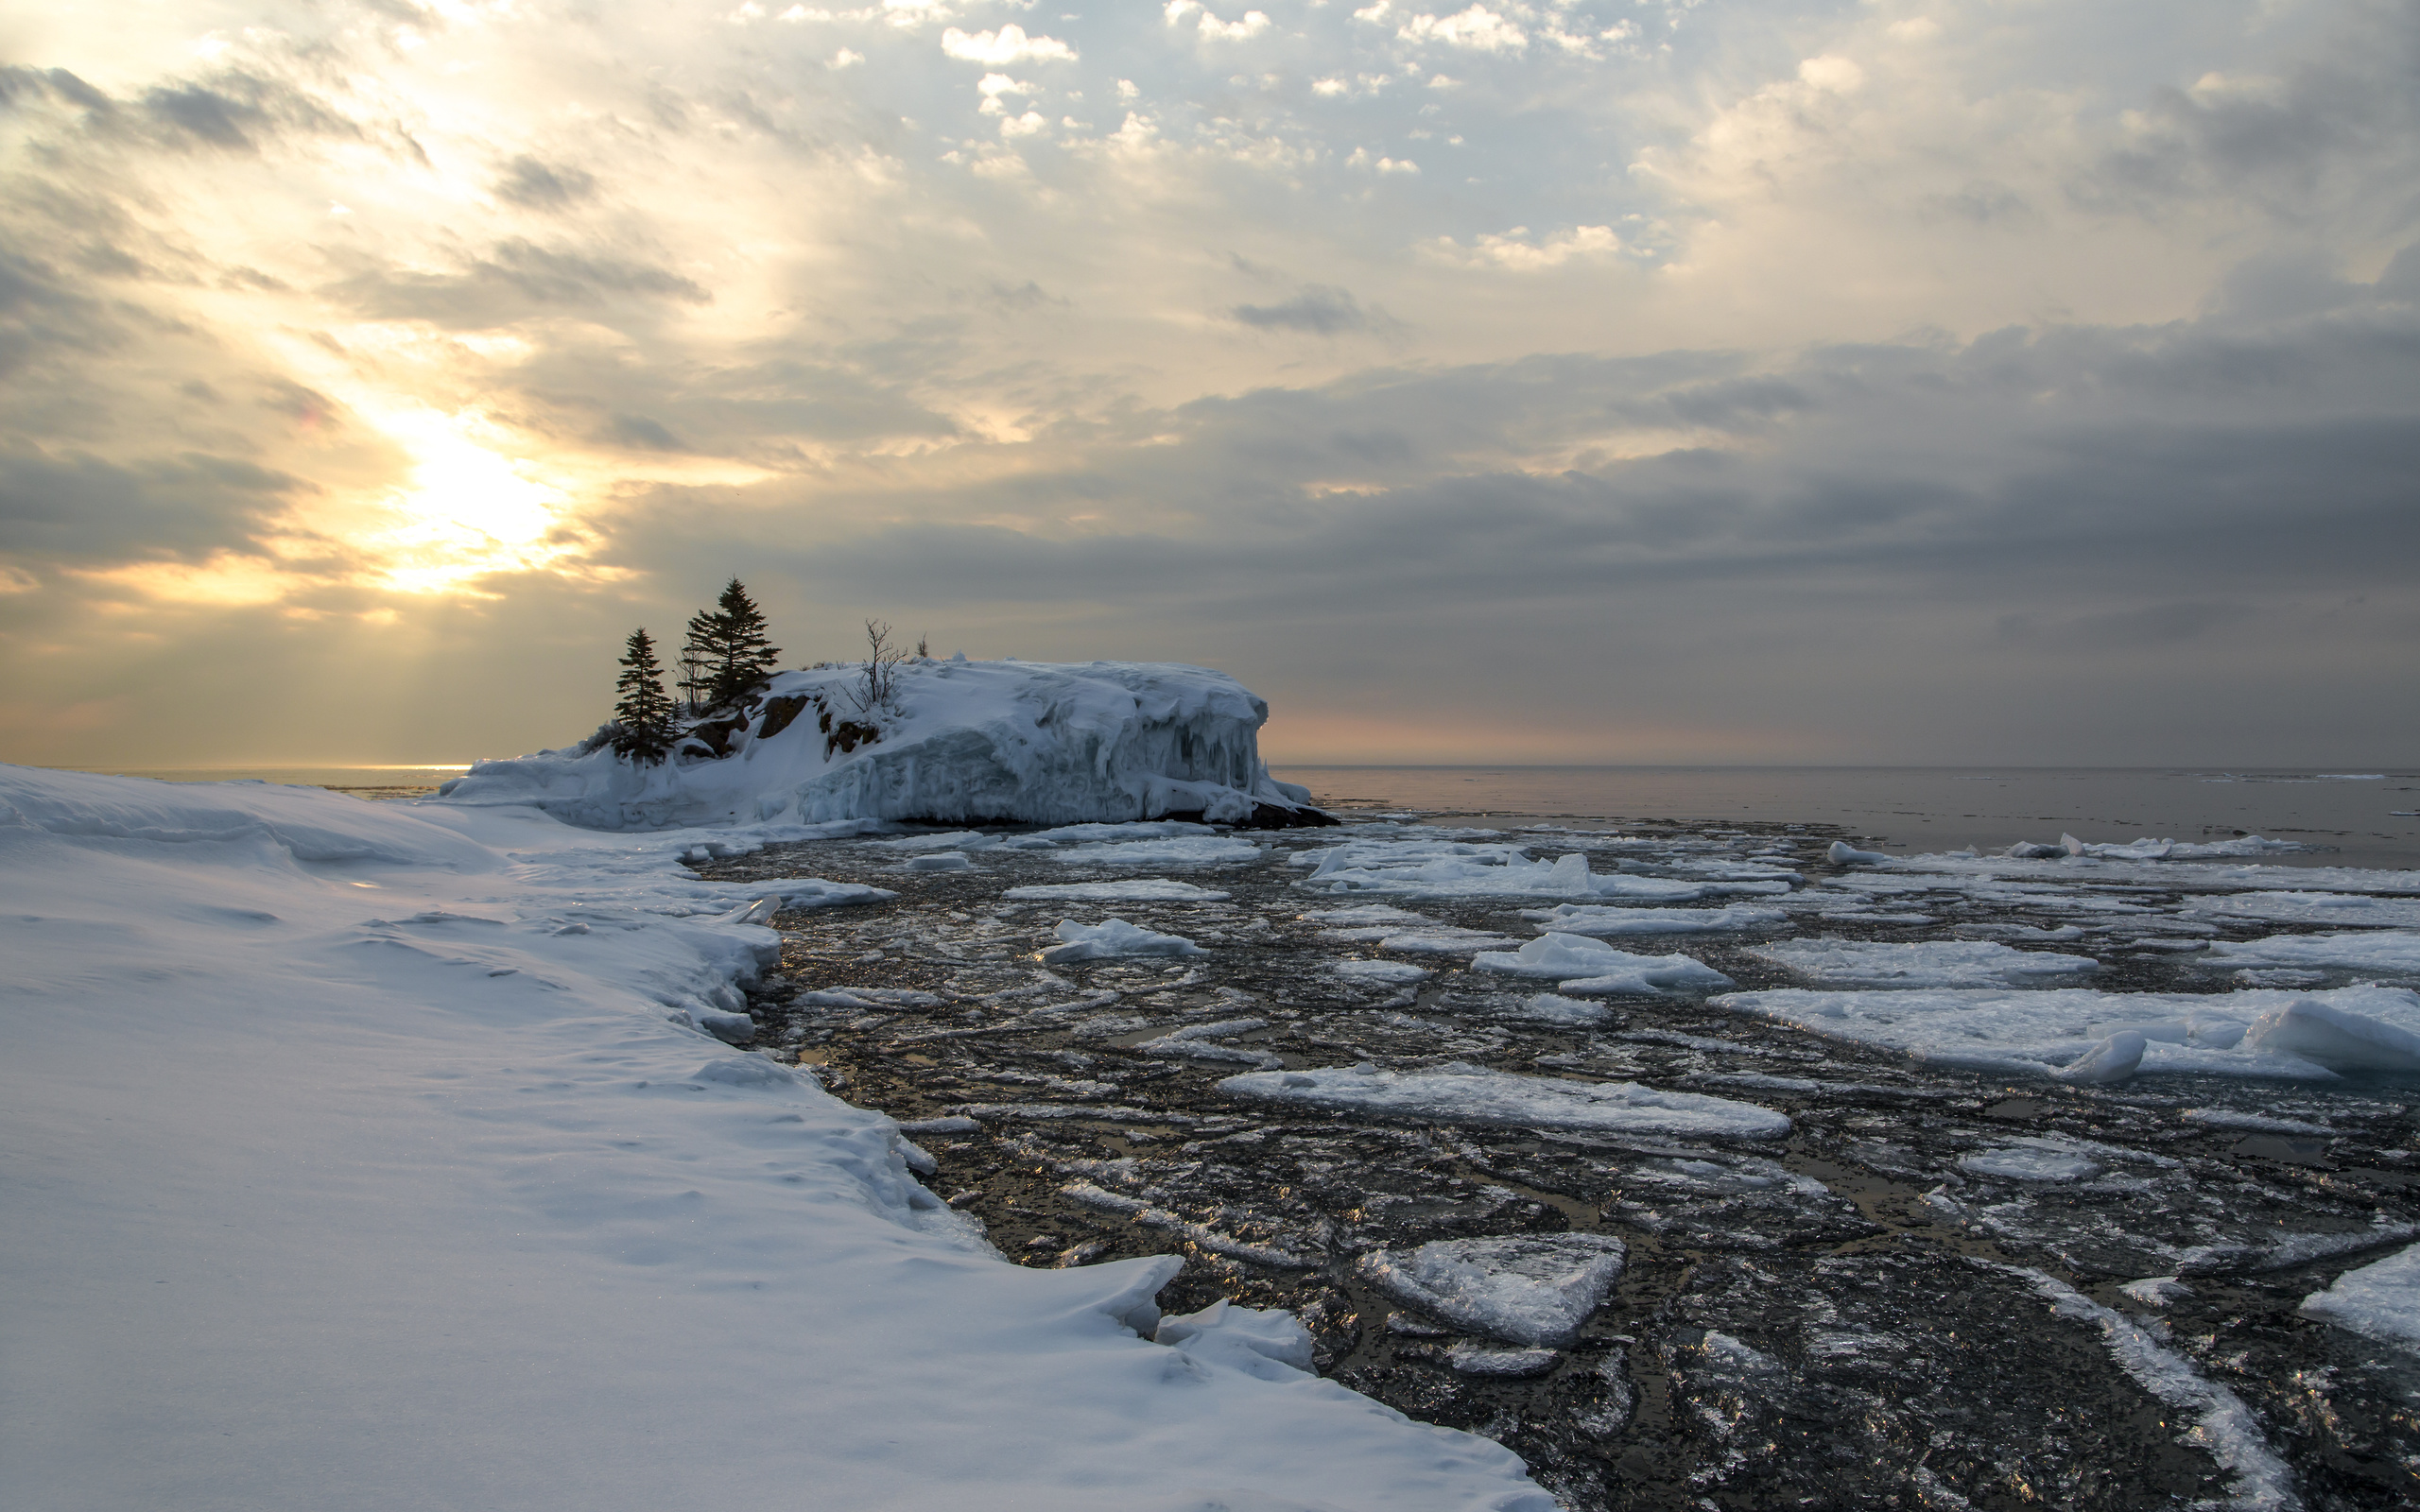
(962, 742)
(1921, 963)
(1533, 1290)
(2394, 951)
(1462, 1094)
(2341, 910)
(1124, 890)
(1582, 919)
(1456, 869)
(2381, 1300)
(2257, 1032)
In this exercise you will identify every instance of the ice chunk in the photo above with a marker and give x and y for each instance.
(1113, 937)
(1442, 941)
(1582, 919)
(2156, 1291)
(2343, 909)
(1191, 850)
(1531, 1290)
(1454, 869)
(941, 861)
(2334, 1037)
(1473, 1359)
(1844, 854)
(2381, 1300)
(2030, 1160)
(1595, 968)
(1266, 1342)
(1460, 1093)
(2113, 1060)
(814, 892)
(1925, 963)
(2042, 1030)
(1124, 890)
(2393, 951)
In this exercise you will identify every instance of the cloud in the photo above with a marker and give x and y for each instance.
(1476, 29)
(516, 279)
(535, 185)
(1010, 45)
(1319, 309)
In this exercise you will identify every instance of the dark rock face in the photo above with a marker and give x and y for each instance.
(779, 713)
(1848, 1316)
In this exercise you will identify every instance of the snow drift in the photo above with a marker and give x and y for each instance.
(960, 742)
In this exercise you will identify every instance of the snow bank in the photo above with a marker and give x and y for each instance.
(368, 1160)
(1533, 1290)
(963, 742)
(2090, 1036)
(1459, 1094)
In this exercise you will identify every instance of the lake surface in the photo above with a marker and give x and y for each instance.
(1926, 808)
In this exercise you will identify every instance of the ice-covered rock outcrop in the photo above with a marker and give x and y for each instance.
(957, 741)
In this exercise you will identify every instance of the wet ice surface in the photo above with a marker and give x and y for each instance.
(1680, 1252)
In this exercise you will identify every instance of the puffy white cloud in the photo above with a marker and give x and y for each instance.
(1010, 45)
(1476, 29)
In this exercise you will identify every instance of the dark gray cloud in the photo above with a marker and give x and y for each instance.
(81, 510)
(535, 185)
(516, 279)
(1319, 309)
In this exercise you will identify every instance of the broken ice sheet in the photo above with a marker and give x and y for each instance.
(1462, 1094)
(1925, 963)
(1595, 968)
(1533, 1290)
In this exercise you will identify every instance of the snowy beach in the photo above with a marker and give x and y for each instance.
(390, 1154)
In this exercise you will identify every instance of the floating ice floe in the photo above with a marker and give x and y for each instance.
(2391, 950)
(2344, 910)
(1187, 850)
(2030, 1160)
(2381, 1300)
(1357, 970)
(1583, 919)
(1113, 937)
(1594, 969)
(1124, 890)
(1535, 1290)
(1455, 868)
(941, 861)
(1549, 1007)
(2092, 1035)
(814, 892)
(1460, 1093)
(1923, 963)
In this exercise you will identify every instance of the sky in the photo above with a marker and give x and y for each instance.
(1587, 381)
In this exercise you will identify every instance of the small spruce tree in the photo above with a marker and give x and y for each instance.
(645, 715)
(742, 655)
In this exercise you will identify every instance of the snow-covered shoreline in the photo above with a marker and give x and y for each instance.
(356, 1161)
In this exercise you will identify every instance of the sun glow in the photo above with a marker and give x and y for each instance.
(468, 509)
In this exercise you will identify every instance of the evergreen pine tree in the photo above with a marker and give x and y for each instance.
(743, 656)
(700, 657)
(645, 714)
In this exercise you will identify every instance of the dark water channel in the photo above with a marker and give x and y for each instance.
(1841, 1317)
